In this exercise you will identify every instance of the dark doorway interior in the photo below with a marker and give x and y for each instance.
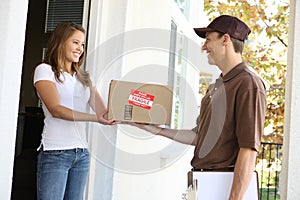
(30, 118)
(30, 125)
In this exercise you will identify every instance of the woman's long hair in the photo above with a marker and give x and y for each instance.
(55, 54)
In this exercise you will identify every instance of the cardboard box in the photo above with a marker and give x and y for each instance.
(140, 102)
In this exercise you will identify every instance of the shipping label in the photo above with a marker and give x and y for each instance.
(141, 99)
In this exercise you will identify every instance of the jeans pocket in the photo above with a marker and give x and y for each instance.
(86, 152)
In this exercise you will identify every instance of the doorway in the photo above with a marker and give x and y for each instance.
(42, 17)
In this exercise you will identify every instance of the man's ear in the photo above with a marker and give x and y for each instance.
(226, 38)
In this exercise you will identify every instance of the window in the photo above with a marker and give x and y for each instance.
(177, 73)
(58, 11)
(183, 6)
(62, 10)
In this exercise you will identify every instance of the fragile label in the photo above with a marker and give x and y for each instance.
(141, 99)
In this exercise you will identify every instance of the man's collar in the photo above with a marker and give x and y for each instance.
(233, 72)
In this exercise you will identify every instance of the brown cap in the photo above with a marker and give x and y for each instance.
(226, 24)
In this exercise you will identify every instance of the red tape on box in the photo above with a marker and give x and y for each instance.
(141, 99)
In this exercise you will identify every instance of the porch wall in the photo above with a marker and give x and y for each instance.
(290, 174)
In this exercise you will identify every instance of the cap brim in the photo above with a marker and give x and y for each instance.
(201, 32)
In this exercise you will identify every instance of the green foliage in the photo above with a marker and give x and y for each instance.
(268, 165)
(269, 193)
(268, 173)
(265, 50)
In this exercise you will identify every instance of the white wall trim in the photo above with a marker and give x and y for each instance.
(290, 174)
(13, 18)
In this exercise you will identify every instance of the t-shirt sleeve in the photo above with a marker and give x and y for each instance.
(43, 72)
(250, 113)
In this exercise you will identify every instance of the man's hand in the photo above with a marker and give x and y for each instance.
(183, 136)
(147, 127)
(192, 191)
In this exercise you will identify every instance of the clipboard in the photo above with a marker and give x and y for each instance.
(215, 185)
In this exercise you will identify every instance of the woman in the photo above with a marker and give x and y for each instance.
(66, 91)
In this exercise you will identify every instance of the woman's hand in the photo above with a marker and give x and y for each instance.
(102, 119)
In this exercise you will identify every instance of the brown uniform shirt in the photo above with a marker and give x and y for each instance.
(232, 116)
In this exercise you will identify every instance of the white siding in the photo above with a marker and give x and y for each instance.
(13, 24)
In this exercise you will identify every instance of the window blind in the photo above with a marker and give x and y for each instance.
(63, 10)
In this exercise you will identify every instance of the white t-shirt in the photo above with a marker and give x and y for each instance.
(59, 134)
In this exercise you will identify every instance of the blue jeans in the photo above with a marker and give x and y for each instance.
(62, 174)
